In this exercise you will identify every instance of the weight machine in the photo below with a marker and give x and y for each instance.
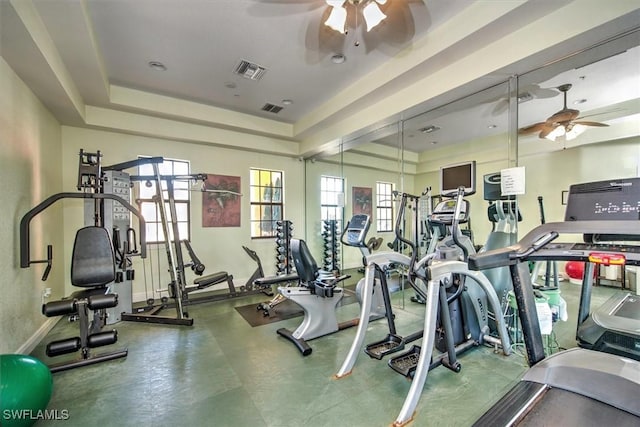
(178, 290)
(101, 265)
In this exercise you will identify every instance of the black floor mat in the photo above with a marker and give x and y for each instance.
(285, 310)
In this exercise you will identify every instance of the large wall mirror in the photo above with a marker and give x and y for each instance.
(604, 91)
(594, 136)
(341, 185)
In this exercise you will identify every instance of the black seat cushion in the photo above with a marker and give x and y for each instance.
(93, 262)
(306, 266)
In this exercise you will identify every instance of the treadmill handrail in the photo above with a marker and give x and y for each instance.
(25, 259)
(543, 235)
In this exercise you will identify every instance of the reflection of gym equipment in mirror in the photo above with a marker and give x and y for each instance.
(551, 275)
(354, 234)
(462, 299)
(605, 216)
(330, 247)
(101, 263)
(563, 123)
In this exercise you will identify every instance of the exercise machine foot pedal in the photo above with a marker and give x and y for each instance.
(405, 364)
(391, 344)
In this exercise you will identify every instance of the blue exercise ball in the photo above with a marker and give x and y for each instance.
(25, 389)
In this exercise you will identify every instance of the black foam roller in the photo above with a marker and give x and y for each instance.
(96, 302)
(59, 308)
(69, 345)
(102, 338)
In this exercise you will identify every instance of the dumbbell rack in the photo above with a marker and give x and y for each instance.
(284, 262)
(330, 252)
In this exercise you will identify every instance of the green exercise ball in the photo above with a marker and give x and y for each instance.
(25, 389)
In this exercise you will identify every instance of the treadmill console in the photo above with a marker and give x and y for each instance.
(612, 200)
(444, 211)
(356, 230)
(585, 252)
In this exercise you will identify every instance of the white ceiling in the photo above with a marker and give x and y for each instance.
(201, 41)
(80, 54)
(608, 91)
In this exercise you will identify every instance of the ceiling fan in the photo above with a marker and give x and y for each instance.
(346, 24)
(349, 30)
(563, 123)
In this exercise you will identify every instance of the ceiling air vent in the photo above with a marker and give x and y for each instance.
(249, 70)
(275, 109)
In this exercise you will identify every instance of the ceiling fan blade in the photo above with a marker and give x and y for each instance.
(501, 107)
(534, 128)
(274, 8)
(537, 92)
(546, 131)
(588, 123)
(320, 40)
(615, 110)
(396, 30)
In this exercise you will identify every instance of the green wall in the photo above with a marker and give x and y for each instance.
(30, 170)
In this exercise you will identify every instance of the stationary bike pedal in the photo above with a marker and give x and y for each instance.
(391, 344)
(406, 364)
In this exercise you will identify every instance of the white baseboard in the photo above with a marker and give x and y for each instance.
(35, 339)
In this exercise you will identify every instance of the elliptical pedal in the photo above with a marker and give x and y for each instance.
(406, 363)
(379, 349)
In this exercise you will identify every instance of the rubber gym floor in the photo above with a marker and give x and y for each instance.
(223, 372)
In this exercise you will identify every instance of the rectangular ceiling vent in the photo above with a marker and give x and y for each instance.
(275, 109)
(249, 70)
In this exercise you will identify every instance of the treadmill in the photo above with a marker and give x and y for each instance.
(614, 327)
(578, 386)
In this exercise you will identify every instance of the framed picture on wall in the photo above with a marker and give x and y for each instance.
(362, 198)
(221, 201)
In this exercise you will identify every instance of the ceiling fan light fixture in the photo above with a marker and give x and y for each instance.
(372, 15)
(576, 130)
(338, 16)
(556, 133)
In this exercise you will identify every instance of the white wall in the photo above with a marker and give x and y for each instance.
(30, 171)
(218, 248)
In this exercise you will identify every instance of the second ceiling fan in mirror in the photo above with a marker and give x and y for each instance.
(565, 122)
